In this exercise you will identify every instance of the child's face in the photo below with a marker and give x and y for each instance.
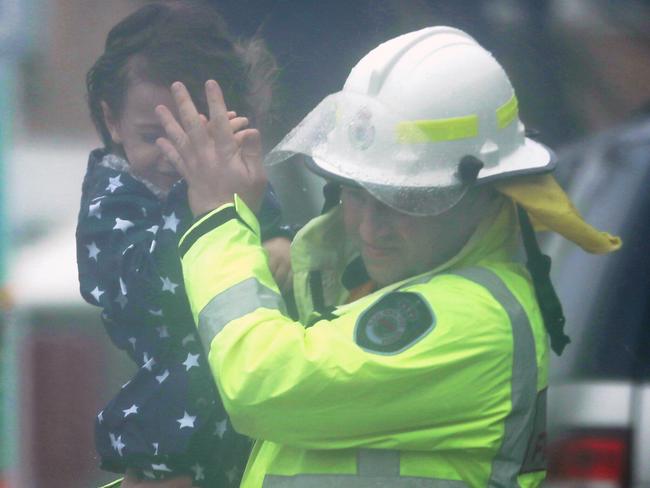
(137, 130)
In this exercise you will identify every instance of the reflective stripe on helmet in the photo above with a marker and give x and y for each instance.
(415, 131)
(453, 128)
(508, 112)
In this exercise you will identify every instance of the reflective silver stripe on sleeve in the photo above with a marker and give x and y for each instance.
(376, 468)
(519, 423)
(237, 301)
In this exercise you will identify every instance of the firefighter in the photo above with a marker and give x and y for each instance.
(420, 356)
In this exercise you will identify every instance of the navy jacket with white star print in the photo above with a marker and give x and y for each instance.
(168, 420)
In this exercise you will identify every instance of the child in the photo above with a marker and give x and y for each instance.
(167, 422)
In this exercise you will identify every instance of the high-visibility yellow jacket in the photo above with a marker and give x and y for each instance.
(438, 380)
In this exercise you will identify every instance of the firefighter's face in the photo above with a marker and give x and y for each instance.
(395, 246)
(137, 129)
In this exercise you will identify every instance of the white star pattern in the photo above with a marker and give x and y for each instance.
(96, 293)
(93, 250)
(192, 361)
(148, 474)
(95, 210)
(147, 362)
(168, 285)
(113, 255)
(186, 421)
(128, 248)
(198, 472)
(122, 225)
(121, 300)
(221, 427)
(126, 384)
(162, 377)
(171, 222)
(114, 183)
(132, 410)
(116, 443)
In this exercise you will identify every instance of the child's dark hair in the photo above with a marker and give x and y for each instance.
(164, 42)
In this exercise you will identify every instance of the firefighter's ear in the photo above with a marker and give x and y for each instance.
(112, 125)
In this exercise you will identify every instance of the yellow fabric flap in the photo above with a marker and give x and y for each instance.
(551, 209)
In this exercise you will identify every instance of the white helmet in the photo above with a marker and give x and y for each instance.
(421, 118)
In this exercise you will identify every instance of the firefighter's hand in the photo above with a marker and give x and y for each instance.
(132, 481)
(217, 157)
(280, 261)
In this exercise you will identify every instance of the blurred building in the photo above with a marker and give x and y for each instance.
(58, 367)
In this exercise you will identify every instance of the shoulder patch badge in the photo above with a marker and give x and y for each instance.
(397, 321)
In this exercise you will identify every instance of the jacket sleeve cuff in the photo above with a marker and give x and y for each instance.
(219, 216)
(221, 250)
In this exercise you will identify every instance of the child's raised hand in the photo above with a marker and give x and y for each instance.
(218, 158)
(236, 123)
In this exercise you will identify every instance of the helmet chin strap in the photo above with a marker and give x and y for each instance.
(332, 194)
(539, 266)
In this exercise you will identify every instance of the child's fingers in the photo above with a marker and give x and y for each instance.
(231, 114)
(219, 124)
(216, 103)
(172, 155)
(176, 135)
(238, 123)
(189, 116)
(250, 142)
